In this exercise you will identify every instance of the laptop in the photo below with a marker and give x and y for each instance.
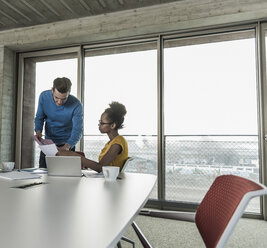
(66, 166)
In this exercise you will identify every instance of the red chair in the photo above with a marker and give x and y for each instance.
(220, 209)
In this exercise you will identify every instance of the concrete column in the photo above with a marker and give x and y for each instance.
(28, 114)
(7, 105)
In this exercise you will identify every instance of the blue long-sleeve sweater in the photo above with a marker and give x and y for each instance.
(63, 124)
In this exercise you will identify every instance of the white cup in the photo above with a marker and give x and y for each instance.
(8, 166)
(111, 172)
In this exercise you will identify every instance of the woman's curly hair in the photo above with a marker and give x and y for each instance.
(116, 113)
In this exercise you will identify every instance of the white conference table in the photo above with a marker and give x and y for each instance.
(68, 212)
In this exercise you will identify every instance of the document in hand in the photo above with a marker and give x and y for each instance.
(49, 150)
(42, 141)
(47, 146)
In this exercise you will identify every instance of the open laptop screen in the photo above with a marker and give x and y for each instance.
(68, 166)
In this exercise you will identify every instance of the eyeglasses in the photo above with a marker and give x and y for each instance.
(104, 123)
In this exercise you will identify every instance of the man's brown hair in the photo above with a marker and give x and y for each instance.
(63, 85)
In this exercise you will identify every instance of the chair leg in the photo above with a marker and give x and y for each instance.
(128, 240)
(141, 236)
(175, 215)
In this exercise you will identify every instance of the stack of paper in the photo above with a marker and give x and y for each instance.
(92, 174)
(35, 170)
(17, 175)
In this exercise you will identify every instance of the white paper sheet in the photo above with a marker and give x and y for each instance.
(49, 150)
(35, 170)
(92, 174)
(42, 141)
(18, 175)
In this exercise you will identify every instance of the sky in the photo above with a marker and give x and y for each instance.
(212, 89)
(208, 88)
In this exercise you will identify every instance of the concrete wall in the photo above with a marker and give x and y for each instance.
(28, 114)
(7, 105)
(177, 16)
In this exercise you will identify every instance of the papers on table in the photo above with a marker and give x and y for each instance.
(18, 175)
(47, 146)
(92, 174)
(35, 170)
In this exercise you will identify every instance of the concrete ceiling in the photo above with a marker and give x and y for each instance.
(24, 13)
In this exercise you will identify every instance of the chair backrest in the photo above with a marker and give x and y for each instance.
(222, 207)
(127, 162)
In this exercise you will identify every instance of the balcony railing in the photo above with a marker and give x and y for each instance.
(191, 161)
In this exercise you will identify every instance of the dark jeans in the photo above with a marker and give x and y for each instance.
(42, 163)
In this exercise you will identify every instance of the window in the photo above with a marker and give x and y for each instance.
(126, 74)
(40, 69)
(203, 86)
(46, 72)
(210, 112)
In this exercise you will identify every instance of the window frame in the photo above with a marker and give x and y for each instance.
(260, 29)
(38, 56)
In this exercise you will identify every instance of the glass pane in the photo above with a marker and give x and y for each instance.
(210, 114)
(46, 72)
(128, 75)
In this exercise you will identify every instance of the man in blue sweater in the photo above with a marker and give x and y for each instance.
(63, 117)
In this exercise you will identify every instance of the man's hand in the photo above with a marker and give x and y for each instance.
(66, 147)
(39, 135)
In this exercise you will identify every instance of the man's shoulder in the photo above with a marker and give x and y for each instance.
(45, 93)
(73, 100)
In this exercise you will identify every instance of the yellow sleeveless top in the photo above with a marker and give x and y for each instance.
(122, 157)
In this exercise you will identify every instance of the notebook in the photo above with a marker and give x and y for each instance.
(67, 166)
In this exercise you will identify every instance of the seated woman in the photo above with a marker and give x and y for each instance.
(115, 152)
